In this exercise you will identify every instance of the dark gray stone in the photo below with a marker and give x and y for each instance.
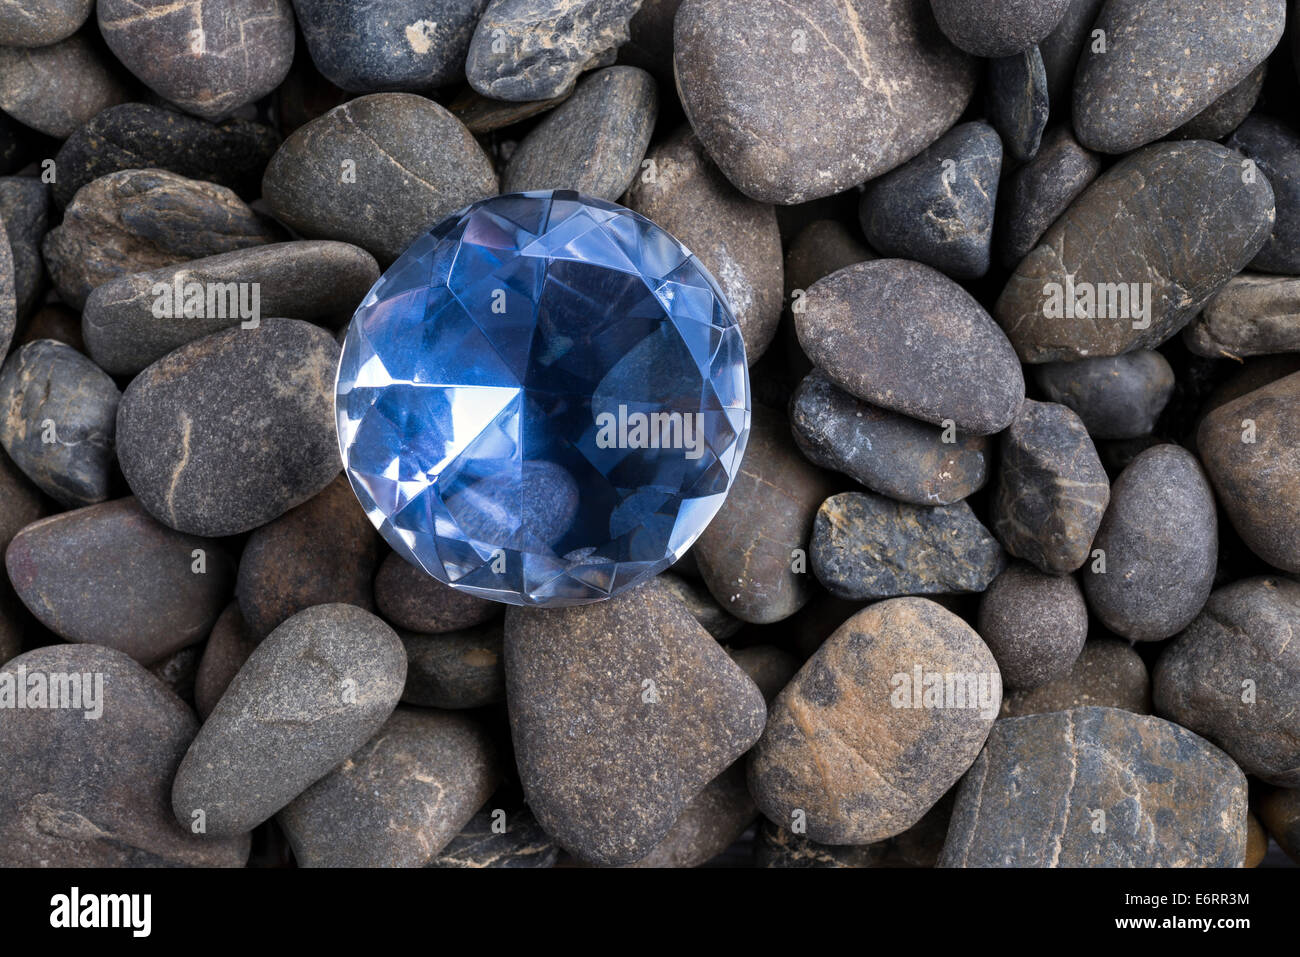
(1227, 112)
(822, 247)
(1166, 61)
(399, 799)
(1061, 49)
(1040, 191)
(456, 669)
(8, 299)
(142, 136)
(997, 28)
(1275, 148)
(410, 598)
(55, 89)
(228, 646)
(938, 207)
(25, 208)
(796, 102)
(1052, 490)
(1117, 397)
(664, 712)
(1035, 624)
(889, 453)
(213, 442)
(94, 793)
(1130, 215)
(1252, 315)
(1169, 798)
(866, 547)
(508, 839)
(110, 575)
(1108, 673)
(207, 59)
(903, 336)
(58, 414)
(594, 142)
(403, 45)
(377, 172)
(1160, 537)
(313, 693)
(1018, 102)
(1234, 677)
(139, 220)
(38, 23)
(537, 49)
(315, 280)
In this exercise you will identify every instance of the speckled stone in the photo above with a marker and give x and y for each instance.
(1018, 102)
(747, 555)
(1166, 61)
(1234, 677)
(937, 208)
(62, 804)
(1160, 538)
(1108, 673)
(228, 646)
(377, 172)
(456, 669)
(997, 28)
(822, 247)
(313, 693)
(1170, 798)
(1259, 482)
(410, 598)
(796, 102)
(939, 358)
(735, 237)
(1116, 397)
(1227, 112)
(211, 440)
(851, 707)
(510, 839)
(38, 23)
(1035, 624)
(664, 712)
(1275, 148)
(1252, 315)
(594, 143)
(24, 209)
(1130, 214)
(1052, 489)
(57, 88)
(1036, 194)
(866, 546)
(207, 59)
(399, 799)
(110, 575)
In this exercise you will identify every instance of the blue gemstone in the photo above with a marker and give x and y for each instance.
(544, 401)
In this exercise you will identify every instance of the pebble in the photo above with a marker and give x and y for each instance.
(822, 247)
(152, 590)
(39, 23)
(399, 799)
(1169, 798)
(62, 804)
(58, 414)
(735, 237)
(56, 89)
(377, 172)
(8, 299)
(1241, 640)
(903, 336)
(997, 28)
(1018, 102)
(748, 554)
(482, 115)
(20, 502)
(1052, 489)
(1165, 61)
(232, 430)
(1160, 541)
(799, 102)
(938, 207)
(317, 280)
(143, 136)
(228, 646)
(179, 670)
(24, 209)
(322, 551)
(483, 843)
(410, 598)
(594, 142)
(1061, 48)
(1037, 193)
(1275, 149)
(1108, 673)
(406, 45)
(456, 669)
(703, 607)
(137, 220)
(1116, 397)
(1252, 315)
(1035, 625)
(1259, 481)
(1227, 112)
(867, 547)
(537, 49)
(1127, 215)
(918, 846)
(852, 707)
(664, 712)
(312, 694)
(208, 60)
(1279, 809)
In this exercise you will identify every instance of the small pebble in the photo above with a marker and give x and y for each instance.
(228, 646)
(1036, 194)
(508, 839)
(1275, 149)
(1035, 625)
(1108, 673)
(56, 89)
(1116, 397)
(39, 23)
(997, 28)
(24, 208)
(410, 598)
(455, 669)
(1252, 315)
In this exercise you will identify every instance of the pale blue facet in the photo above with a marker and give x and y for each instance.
(544, 401)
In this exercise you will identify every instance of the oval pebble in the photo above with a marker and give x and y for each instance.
(1035, 624)
(453, 670)
(997, 28)
(1036, 194)
(1108, 673)
(1116, 397)
(57, 88)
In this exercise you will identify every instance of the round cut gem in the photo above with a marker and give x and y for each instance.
(544, 401)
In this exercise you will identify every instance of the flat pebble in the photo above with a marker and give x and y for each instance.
(57, 88)
(1035, 625)
(1116, 397)
(1108, 673)
(1018, 102)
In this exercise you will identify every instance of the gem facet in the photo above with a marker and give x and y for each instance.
(544, 401)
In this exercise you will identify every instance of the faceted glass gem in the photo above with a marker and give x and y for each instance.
(544, 401)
